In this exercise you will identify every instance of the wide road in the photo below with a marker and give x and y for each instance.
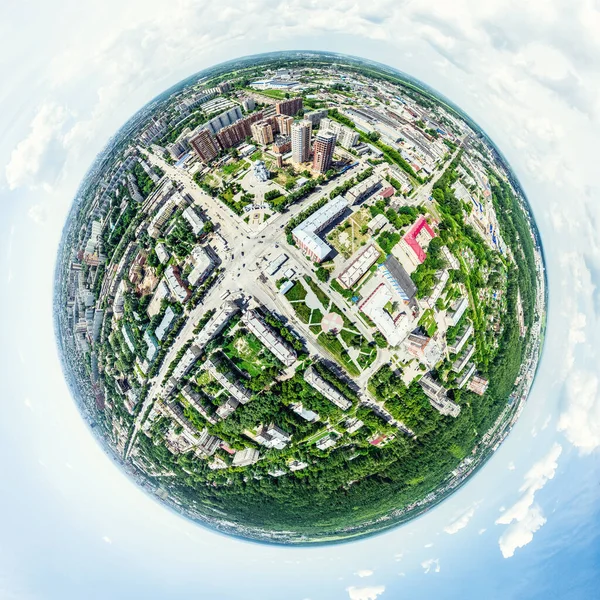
(243, 262)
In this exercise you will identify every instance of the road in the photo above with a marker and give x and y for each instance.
(242, 263)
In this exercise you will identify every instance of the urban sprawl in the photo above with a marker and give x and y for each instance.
(301, 300)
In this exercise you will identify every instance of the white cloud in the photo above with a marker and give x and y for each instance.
(106, 539)
(511, 466)
(431, 565)
(398, 556)
(364, 573)
(365, 593)
(482, 531)
(462, 520)
(429, 545)
(34, 160)
(38, 214)
(525, 517)
(580, 420)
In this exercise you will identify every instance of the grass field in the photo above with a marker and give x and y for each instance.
(296, 292)
(347, 237)
(334, 346)
(319, 293)
(427, 321)
(234, 167)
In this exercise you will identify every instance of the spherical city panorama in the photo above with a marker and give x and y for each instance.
(300, 298)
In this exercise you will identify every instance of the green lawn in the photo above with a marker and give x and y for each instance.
(427, 321)
(334, 346)
(319, 293)
(233, 168)
(296, 292)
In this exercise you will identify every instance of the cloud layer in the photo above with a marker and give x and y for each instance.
(525, 517)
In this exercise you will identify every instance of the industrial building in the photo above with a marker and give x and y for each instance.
(395, 274)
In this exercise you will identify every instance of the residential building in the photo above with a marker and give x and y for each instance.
(345, 136)
(203, 265)
(227, 408)
(152, 344)
(235, 388)
(194, 400)
(297, 465)
(327, 442)
(273, 342)
(363, 190)
(262, 132)
(301, 134)
(426, 349)
(478, 384)
(223, 120)
(162, 253)
(272, 436)
(377, 223)
(306, 234)
(438, 397)
(194, 220)
(289, 107)
(284, 124)
(461, 339)
(189, 357)
(353, 424)
(326, 389)
(282, 144)
(358, 266)
(245, 457)
(315, 116)
(248, 104)
(176, 285)
(233, 134)
(205, 145)
(460, 363)
(466, 375)
(165, 324)
(307, 415)
(323, 152)
(456, 311)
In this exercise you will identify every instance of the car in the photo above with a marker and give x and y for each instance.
(242, 253)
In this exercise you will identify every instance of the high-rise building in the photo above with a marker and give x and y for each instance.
(301, 132)
(205, 145)
(289, 107)
(262, 132)
(284, 124)
(248, 104)
(345, 136)
(323, 151)
(315, 116)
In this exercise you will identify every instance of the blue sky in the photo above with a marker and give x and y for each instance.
(73, 526)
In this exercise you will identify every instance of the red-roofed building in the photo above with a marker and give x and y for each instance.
(416, 239)
(387, 192)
